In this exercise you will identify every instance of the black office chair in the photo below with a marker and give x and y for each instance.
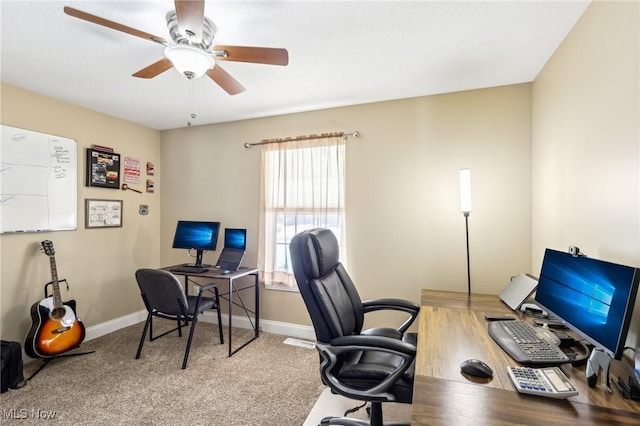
(164, 297)
(374, 365)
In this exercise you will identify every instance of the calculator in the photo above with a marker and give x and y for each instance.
(547, 381)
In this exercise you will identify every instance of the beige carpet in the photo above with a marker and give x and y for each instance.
(266, 383)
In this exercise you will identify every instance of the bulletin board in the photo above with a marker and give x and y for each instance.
(38, 181)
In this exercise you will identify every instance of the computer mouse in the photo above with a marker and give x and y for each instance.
(225, 272)
(477, 368)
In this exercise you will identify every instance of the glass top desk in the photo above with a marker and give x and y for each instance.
(452, 329)
(253, 315)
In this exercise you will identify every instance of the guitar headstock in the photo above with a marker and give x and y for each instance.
(47, 247)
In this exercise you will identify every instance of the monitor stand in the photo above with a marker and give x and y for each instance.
(198, 263)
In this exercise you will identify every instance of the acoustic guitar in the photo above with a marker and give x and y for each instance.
(56, 328)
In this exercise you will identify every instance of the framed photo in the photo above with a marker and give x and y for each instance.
(102, 213)
(103, 169)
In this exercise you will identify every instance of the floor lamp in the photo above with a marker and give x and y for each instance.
(465, 207)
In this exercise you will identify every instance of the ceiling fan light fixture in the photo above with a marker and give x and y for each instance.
(189, 60)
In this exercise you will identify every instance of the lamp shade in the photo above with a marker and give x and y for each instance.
(465, 191)
(189, 60)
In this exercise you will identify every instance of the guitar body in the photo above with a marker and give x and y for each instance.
(53, 330)
(55, 327)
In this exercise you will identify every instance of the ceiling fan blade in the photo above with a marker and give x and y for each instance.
(190, 14)
(154, 69)
(224, 80)
(110, 24)
(258, 55)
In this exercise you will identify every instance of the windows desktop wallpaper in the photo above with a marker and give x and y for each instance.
(235, 238)
(593, 296)
(196, 235)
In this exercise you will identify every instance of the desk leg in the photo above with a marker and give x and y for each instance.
(186, 285)
(230, 313)
(256, 332)
(257, 307)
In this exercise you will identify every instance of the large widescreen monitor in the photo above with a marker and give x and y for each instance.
(594, 298)
(199, 236)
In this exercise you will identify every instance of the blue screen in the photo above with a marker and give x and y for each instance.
(235, 238)
(196, 235)
(595, 298)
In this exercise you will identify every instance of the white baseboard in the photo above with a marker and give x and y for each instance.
(274, 327)
(107, 327)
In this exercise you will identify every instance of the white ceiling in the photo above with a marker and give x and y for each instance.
(340, 53)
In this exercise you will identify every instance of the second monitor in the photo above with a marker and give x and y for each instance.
(235, 246)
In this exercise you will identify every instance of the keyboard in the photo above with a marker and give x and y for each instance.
(525, 344)
(189, 269)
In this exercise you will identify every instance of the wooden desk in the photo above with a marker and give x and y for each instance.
(231, 277)
(452, 329)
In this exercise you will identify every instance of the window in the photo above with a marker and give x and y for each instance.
(302, 188)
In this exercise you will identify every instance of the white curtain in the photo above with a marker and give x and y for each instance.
(302, 187)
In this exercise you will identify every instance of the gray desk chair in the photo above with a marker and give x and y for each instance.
(164, 297)
(374, 365)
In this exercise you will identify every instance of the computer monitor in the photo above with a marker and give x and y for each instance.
(593, 297)
(235, 238)
(199, 236)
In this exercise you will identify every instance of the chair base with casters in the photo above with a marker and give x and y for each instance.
(374, 365)
(374, 375)
(375, 418)
(164, 298)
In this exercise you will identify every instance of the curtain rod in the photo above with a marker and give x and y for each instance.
(354, 134)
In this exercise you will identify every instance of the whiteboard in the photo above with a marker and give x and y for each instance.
(38, 181)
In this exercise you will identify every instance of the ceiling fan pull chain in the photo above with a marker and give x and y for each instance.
(192, 101)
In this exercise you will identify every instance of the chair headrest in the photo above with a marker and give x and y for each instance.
(319, 252)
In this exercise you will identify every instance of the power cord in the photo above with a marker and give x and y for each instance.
(353, 410)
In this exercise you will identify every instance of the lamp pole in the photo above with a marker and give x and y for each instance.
(466, 225)
(465, 207)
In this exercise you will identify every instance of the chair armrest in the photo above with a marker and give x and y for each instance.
(412, 308)
(210, 287)
(374, 343)
(330, 353)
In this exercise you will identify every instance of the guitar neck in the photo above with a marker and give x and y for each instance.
(57, 299)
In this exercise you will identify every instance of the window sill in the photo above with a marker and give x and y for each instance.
(281, 287)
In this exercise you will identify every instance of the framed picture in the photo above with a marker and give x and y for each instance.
(103, 169)
(102, 213)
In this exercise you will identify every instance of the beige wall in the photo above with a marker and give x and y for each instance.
(586, 140)
(405, 229)
(98, 263)
(580, 116)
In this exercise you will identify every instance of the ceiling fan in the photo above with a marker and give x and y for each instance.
(191, 52)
